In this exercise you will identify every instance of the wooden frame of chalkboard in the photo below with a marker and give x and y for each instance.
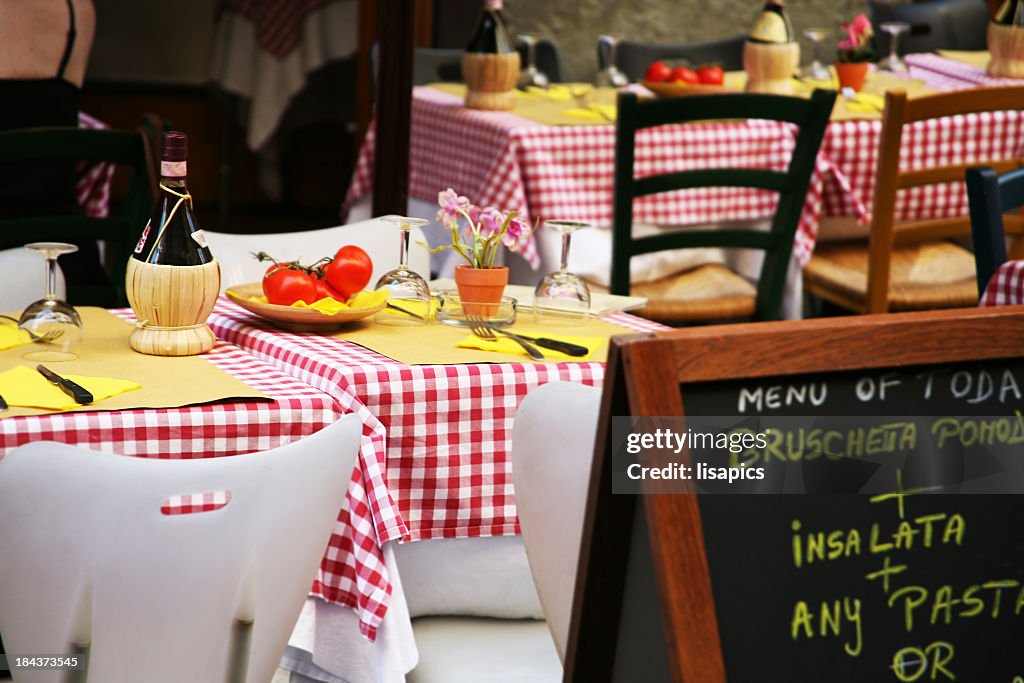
(647, 376)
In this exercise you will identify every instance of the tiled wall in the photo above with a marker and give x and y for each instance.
(575, 24)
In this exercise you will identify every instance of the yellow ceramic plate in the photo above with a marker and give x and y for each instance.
(296, 317)
(676, 89)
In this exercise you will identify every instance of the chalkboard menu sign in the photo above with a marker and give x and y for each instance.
(901, 584)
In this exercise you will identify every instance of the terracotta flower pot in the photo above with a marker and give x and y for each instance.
(481, 289)
(852, 74)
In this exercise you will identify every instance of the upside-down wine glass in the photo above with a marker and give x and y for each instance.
(53, 324)
(409, 294)
(816, 70)
(611, 76)
(531, 75)
(894, 63)
(562, 297)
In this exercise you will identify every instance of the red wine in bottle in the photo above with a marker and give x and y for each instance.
(490, 35)
(173, 237)
(1010, 13)
(773, 25)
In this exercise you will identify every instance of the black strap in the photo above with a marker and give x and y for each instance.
(71, 42)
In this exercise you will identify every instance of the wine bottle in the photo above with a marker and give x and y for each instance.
(491, 35)
(173, 237)
(773, 25)
(1010, 13)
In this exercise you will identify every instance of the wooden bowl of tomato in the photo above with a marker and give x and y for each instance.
(666, 81)
(300, 318)
(322, 295)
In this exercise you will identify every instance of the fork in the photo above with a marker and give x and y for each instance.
(482, 330)
(45, 338)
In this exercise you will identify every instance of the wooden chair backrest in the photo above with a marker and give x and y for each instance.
(901, 111)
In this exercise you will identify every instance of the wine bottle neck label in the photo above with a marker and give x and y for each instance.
(770, 27)
(200, 238)
(174, 169)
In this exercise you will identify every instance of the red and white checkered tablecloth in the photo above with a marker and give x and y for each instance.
(1006, 288)
(352, 572)
(928, 65)
(277, 24)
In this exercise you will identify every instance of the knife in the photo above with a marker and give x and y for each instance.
(67, 386)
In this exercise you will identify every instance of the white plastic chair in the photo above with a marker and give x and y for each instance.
(379, 239)
(23, 279)
(88, 557)
(551, 479)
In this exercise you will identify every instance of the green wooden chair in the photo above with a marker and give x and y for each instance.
(713, 292)
(125, 148)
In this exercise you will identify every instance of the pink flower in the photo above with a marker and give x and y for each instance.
(846, 44)
(517, 231)
(861, 25)
(474, 214)
(490, 221)
(450, 203)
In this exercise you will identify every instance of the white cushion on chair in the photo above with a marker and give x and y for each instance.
(479, 650)
(468, 576)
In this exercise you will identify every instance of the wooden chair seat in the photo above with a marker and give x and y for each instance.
(924, 275)
(708, 292)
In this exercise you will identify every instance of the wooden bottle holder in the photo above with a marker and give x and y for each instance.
(1006, 45)
(490, 79)
(172, 304)
(770, 66)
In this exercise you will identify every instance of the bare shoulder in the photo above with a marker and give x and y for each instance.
(33, 36)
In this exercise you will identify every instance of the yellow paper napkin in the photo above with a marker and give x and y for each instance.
(11, 335)
(329, 306)
(555, 92)
(866, 103)
(505, 345)
(595, 112)
(25, 387)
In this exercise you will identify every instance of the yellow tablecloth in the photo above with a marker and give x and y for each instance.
(166, 382)
(558, 106)
(437, 344)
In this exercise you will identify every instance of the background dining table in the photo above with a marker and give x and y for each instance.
(566, 171)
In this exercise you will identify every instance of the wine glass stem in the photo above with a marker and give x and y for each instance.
(531, 48)
(565, 251)
(404, 255)
(613, 48)
(893, 51)
(51, 277)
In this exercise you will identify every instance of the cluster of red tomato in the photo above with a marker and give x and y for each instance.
(705, 74)
(337, 277)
